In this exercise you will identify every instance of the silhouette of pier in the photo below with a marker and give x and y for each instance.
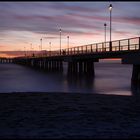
(81, 59)
(6, 60)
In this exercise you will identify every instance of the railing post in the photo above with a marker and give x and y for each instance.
(72, 50)
(82, 49)
(91, 47)
(96, 47)
(119, 45)
(128, 44)
(102, 47)
(78, 50)
(139, 43)
(110, 46)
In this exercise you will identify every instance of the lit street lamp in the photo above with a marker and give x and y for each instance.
(105, 33)
(68, 42)
(46, 39)
(41, 44)
(110, 9)
(25, 50)
(60, 40)
(32, 49)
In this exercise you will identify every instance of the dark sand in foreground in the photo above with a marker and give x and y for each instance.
(69, 115)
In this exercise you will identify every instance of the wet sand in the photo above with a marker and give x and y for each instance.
(69, 115)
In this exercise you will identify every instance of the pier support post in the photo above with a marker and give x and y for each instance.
(69, 67)
(135, 75)
(46, 65)
(90, 68)
(57, 65)
(61, 66)
(85, 67)
(80, 67)
(35, 64)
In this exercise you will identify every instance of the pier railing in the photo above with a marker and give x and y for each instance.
(115, 46)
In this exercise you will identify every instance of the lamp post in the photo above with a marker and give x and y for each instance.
(31, 48)
(110, 9)
(105, 33)
(46, 39)
(60, 40)
(38, 47)
(25, 50)
(39, 50)
(41, 44)
(68, 42)
(50, 48)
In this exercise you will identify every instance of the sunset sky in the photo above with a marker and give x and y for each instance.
(23, 23)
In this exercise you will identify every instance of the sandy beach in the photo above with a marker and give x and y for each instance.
(69, 115)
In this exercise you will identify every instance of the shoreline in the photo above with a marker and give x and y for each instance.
(68, 115)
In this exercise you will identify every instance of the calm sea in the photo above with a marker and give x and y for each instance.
(111, 77)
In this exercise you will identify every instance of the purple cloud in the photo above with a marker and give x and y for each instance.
(74, 18)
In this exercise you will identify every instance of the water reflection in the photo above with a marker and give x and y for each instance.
(81, 81)
(110, 78)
